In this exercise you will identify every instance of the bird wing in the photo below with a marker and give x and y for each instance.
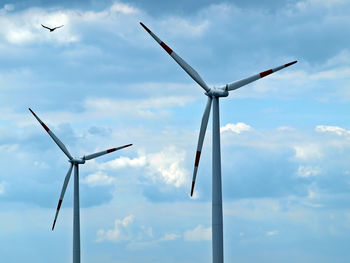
(45, 27)
(57, 27)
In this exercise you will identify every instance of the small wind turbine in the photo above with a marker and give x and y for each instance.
(213, 95)
(74, 162)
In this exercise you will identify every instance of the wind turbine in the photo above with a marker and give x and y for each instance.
(213, 95)
(74, 163)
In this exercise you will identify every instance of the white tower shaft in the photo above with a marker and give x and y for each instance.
(217, 220)
(76, 217)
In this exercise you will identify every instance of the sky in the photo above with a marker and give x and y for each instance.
(101, 81)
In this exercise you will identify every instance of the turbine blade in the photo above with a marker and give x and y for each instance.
(202, 131)
(53, 136)
(190, 71)
(94, 155)
(243, 82)
(63, 191)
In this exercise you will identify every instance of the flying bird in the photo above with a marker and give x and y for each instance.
(51, 29)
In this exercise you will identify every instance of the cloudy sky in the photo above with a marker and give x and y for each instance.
(101, 81)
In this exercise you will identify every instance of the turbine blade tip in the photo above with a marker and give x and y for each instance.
(146, 28)
(290, 63)
(192, 188)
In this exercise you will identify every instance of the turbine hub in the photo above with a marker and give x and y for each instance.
(217, 92)
(77, 161)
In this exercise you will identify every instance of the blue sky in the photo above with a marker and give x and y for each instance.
(101, 81)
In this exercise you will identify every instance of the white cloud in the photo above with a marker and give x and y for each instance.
(312, 194)
(285, 128)
(332, 129)
(307, 152)
(123, 162)
(307, 171)
(200, 233)
(333, 74)
(272, 233)
(184, 28)
(148, 231)
(9, 147)
(169, 237)
(24, 27)
(143, 238)
(102, 108)
(167, 166)
(308, 4)
(145, 108)
(98, 178)
(140, 243)
(118, 233)
(123, 8)
(236, 128)
(340, 60)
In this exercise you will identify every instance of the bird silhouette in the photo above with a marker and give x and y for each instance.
(51, 29)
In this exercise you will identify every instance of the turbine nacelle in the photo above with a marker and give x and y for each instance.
(77, 160)
(217, 92)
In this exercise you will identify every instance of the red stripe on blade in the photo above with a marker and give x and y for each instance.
(111, 150)
(198, 155)
(167, 49)
(291, 63)
(146, 28)
(265, 73)
(45, 127)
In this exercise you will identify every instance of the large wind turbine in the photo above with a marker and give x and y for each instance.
(213, 95)
(74, 163)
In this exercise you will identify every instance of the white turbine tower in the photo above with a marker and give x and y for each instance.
(74, 163)
(213, 95)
